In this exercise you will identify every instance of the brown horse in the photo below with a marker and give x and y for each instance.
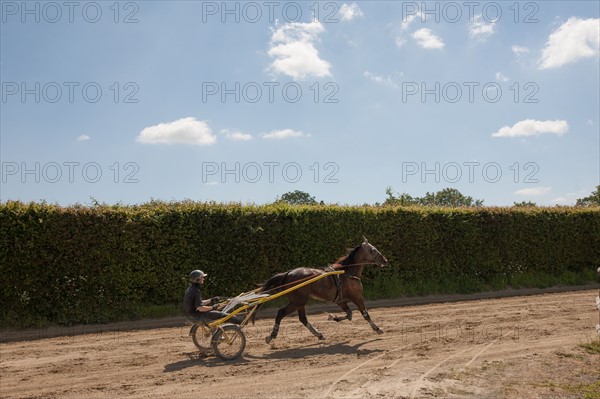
(347, 289)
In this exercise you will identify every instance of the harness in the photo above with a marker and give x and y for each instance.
(337, 278)
(338, 284)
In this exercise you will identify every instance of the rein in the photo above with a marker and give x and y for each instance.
(354, 264)
(292, 283)
(314, 275)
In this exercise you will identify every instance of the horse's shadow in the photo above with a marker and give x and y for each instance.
(316, 349)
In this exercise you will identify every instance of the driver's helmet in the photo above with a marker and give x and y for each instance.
(195, 274)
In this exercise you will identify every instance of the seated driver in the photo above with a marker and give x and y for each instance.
(197, 309)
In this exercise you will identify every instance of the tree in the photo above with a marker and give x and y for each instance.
(450, 197)
(297, 198)
(524, 204)
(591, 200)
(404, 199)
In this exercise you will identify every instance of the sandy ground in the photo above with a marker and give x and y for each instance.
(521, 347)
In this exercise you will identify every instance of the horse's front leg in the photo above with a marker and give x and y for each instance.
(346, 309)
(363, 310)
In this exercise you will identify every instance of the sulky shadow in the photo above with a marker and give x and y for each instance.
(196, 360)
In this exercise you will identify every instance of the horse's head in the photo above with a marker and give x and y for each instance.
(371, 254)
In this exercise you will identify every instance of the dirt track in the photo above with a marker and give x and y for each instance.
(521, 347)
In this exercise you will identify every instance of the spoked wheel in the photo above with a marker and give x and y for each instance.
(228, 341)
(201, 336)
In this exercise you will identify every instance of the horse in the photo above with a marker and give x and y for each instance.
(347, 288)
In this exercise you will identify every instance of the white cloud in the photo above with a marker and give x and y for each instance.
(559, 200)
(532, 127)
(481, 30)
(500, 77)
(284, 134)
(519, 50)
(182, 131)
(572, 41)
(384, 80)
(293, 47)
(590, 122)
(408, 20)
(533, 191)
(212, 183)
(400, 40)
(83, 137)
(349, 12)
(570, 197)
(427, 39)
(236, 135)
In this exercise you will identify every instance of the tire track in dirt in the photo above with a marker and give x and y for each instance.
(348, 373)
(414, 386)
(418, 384)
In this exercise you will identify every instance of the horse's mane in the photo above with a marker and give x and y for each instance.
(348, 259)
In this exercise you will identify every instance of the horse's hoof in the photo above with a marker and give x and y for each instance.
(268, 339)
(379, 331)
(321, 337)
(330, 317)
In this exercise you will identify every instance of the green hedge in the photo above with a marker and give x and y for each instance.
(94, 264)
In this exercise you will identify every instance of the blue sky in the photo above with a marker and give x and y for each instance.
(132, 101)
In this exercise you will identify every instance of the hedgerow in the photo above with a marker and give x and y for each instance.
(93, 264)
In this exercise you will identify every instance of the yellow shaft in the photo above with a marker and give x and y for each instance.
(271, 297)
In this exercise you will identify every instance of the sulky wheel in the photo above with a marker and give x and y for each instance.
(228, 341)
(201, 336)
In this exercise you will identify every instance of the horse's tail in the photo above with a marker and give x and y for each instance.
(272, 287)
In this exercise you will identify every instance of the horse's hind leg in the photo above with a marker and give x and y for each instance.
(363, 310)
(346, 309)
(290, 308)
(304, 320)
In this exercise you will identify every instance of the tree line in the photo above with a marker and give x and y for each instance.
(448, 197)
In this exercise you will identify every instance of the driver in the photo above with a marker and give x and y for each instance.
(197, 309)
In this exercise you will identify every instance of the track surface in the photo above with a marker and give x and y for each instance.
(521, 347)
